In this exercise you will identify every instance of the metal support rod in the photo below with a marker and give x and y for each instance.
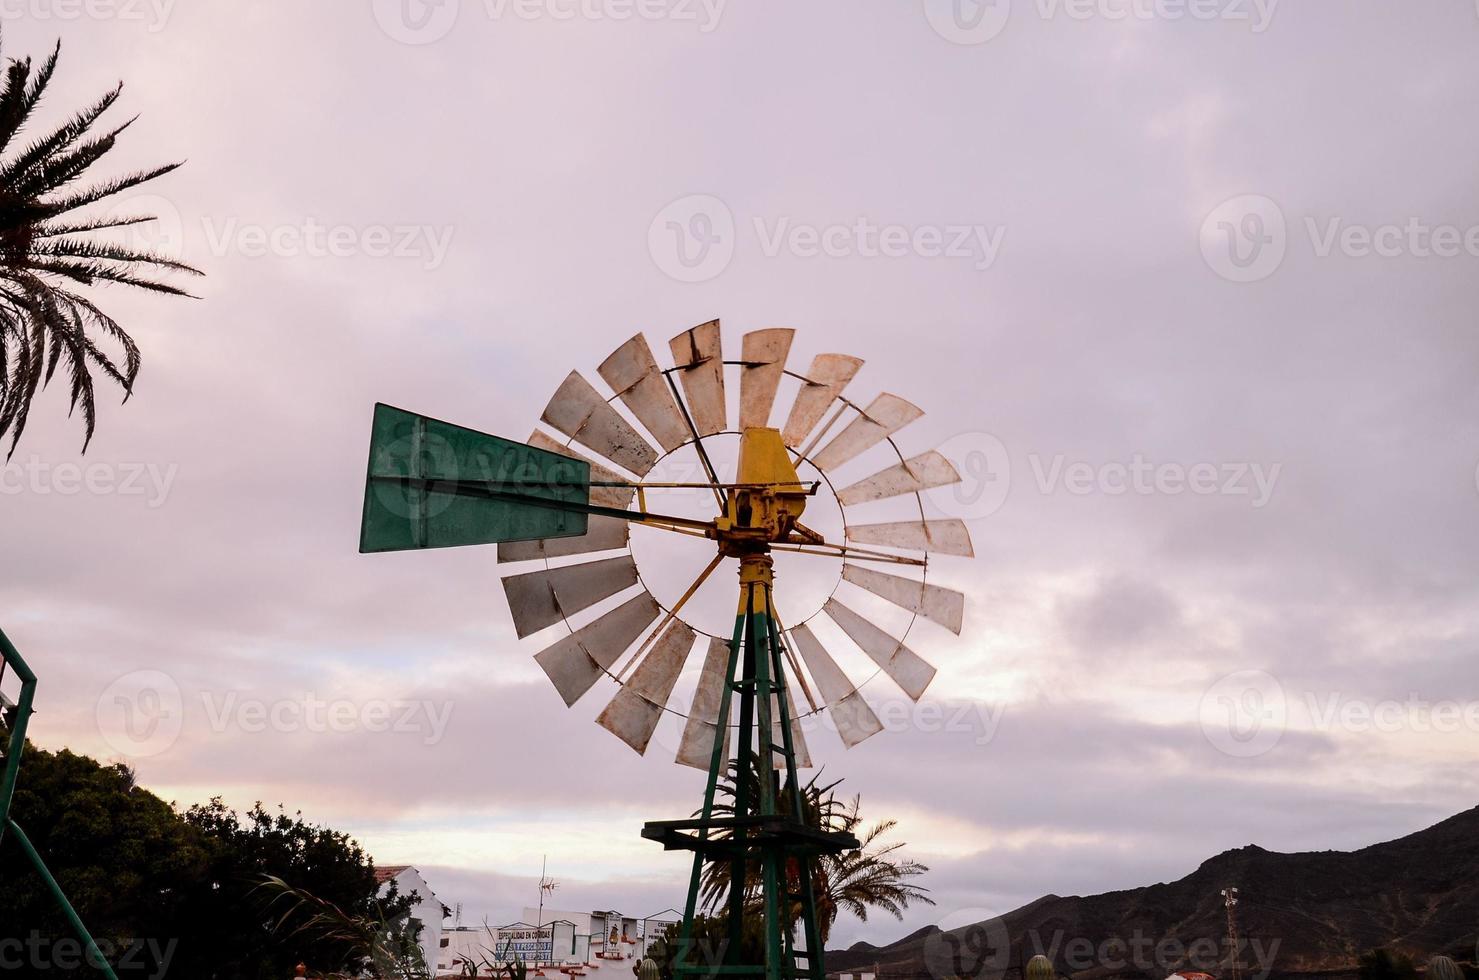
(94, 955)
(17, 742)
(698, 440)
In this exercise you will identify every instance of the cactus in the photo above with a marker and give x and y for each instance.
(648, 969)
(1040, 968)
(1444, 968)
(518, 970)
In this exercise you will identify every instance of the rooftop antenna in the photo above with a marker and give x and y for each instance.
(562, 508)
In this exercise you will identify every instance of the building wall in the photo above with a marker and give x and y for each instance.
(428, 909)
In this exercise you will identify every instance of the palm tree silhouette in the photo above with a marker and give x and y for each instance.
(871, 877)
(48, 253)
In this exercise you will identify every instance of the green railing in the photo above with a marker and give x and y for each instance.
(14, 715)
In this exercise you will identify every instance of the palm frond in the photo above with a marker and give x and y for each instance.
(47, 319)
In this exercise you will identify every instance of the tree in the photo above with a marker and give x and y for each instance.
(871, 877)
(172, 893)
(48, 252)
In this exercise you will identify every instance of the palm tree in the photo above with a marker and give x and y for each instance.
(871, 877)
(48, 252)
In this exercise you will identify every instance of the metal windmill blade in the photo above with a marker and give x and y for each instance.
(825, 379)
(633, 714)
(922, 472)
(579, 411)
(543, 598)
(852, 715)
(696, 749)
(764, 355)
(884, 416)
(941, 605)
(699, 356)
(577, 661)
(632, 373)
(903, 666)
(949, 536)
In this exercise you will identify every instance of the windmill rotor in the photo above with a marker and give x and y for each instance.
(685, 406)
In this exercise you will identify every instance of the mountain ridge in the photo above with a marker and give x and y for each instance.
(1299, 912)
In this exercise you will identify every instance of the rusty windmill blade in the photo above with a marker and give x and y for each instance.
(632, 715)
(579, 411)
(764, 355)
(947, 536)
(940, 605)
(825, 379)
(884, 416)
(543, 598)
(922, 472)
(576, 662)
(632, 373)
(852, 715)
(905, 667)
(698, 355)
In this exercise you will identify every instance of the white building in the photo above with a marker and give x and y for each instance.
(600, 945)
(428, 911)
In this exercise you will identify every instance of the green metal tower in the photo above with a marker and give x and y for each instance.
(14, 716)
(783, 845)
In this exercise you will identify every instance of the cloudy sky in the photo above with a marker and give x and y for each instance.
(1186, 290)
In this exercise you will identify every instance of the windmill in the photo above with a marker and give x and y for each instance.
(568, 503)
